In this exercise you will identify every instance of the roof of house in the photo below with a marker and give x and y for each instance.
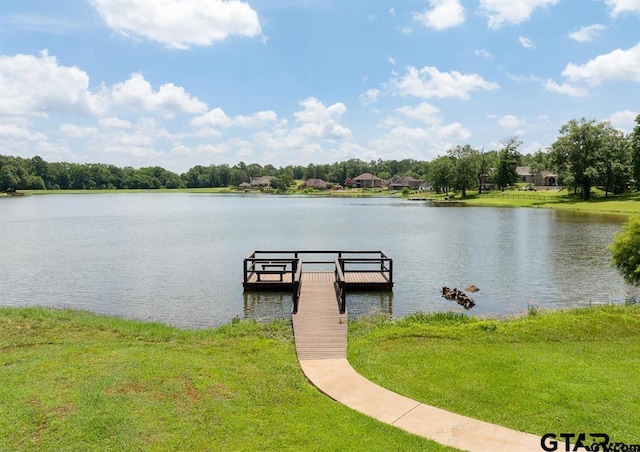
(366, 176)
(315, 183)
(402, 180)
(523, 170)
(262, 180)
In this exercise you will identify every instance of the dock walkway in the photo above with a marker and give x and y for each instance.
(321, 343)
(320, 331)
(319, 328)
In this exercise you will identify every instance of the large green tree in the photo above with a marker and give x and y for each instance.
(614, 164)
(508, 160)
(441, 173)
(465, 167)
(578, 153)
(635, 152)
(625, 250)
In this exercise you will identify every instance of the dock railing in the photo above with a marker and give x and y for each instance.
(287, 266)
(380, 264)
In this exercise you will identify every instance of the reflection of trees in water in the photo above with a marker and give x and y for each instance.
(365, 303)
(580, 264)
(263, 306)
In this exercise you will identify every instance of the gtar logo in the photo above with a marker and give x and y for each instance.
(597, 442)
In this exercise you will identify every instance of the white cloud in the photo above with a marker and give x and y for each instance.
(391, 61)
(37, 86)
(370, 97)
(623, 6)
(402, 141)
(392, 12)
(508, 121)
(218, 118)
(17, 132)
(423, 112)
(214, 118)
(618, 65)
(623, 120)
(200, 150)
(114, 123)
(407, 30)
(526, 42)
(500, 12)
(179, 24)
(482, 53)
(565, 88)
(169, 99)
(587, 33)
(319, 129)
(430, 82)
(321, 122)
(73, 131)
(442, 15)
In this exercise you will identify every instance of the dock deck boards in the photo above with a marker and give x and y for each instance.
(351, 278)
(320, 330)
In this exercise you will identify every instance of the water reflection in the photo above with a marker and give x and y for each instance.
(368, 303)
(177, 258)
(267, 305)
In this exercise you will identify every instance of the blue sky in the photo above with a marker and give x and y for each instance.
(179, 83)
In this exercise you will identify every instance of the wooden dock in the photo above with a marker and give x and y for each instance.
(347, 270)
(319, 328)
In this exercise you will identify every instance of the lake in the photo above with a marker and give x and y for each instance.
(177, 257)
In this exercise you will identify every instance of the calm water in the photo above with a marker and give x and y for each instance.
(177, 258)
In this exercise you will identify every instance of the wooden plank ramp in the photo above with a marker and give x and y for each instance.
(319, 329)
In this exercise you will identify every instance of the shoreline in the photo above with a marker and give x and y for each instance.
(628, 204)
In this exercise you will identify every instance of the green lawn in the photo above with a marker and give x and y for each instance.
(624, 204)
(79, 382)
(574, 371)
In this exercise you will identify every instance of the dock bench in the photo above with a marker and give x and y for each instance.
(270, 268)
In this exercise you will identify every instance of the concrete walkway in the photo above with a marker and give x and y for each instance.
(337, 379)
(321, 344)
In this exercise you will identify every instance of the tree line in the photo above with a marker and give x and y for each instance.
(585, 154)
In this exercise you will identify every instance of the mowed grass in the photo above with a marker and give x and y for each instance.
(81, 382)
(624, 204)
(546, 372)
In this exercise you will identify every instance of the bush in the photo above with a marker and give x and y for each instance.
(625, 250)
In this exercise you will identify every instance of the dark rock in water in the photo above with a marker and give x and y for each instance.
(458, 296)
(471, 288)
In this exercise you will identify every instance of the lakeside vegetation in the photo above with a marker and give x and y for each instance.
(75, 380)
(622, 204)
(586, 155)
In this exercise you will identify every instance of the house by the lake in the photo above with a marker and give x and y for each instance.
(366, 180)
(262, 181)
(524, 174)
(539, 178)
(400, 182)
(316, 184)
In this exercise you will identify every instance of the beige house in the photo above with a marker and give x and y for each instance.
(262, 181)
(317, 184)
(400, 182)
(545, 178)
(367, 180)
(524, 174)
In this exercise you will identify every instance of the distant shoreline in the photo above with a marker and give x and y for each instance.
(621, 204)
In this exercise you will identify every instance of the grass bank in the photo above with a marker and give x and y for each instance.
(574, 371)
(622, 204)
(77, 381)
